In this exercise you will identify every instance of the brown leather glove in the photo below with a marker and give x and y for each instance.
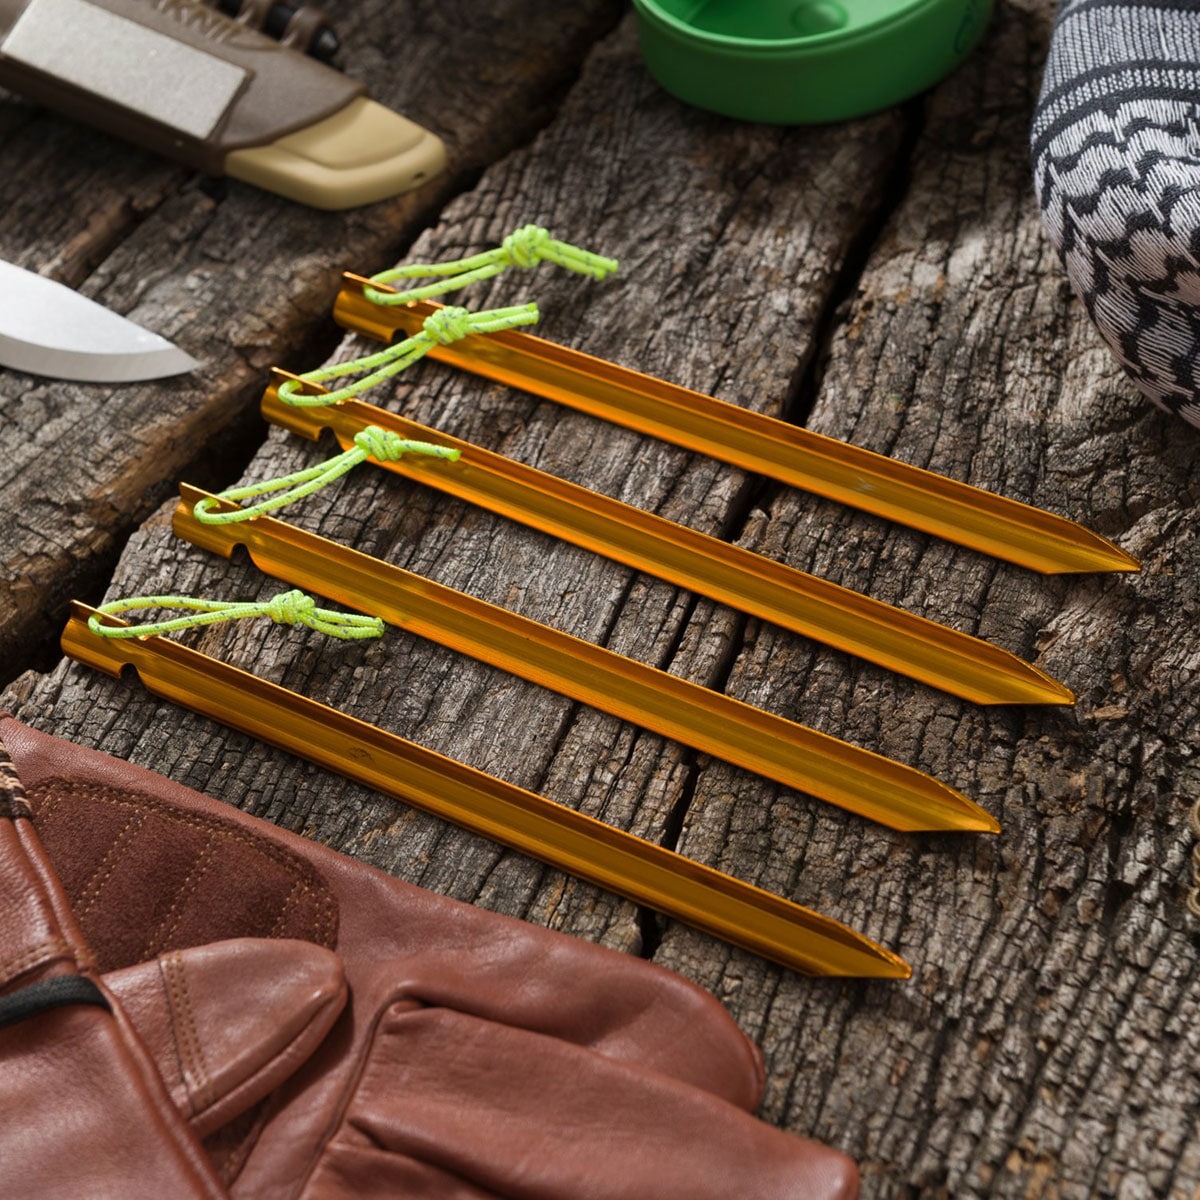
(227, 1023)
(479, 1056)
(83, 1112)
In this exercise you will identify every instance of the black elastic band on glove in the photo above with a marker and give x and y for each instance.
(47, 994)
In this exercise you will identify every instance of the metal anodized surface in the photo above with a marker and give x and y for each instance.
(798, 757)
(641, 871)
(850, 475)
(881, 633)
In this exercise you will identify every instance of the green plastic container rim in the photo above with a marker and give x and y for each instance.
(769, 47)
(882, 52)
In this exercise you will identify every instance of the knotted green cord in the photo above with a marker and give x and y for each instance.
(442, 328)
(371, 442)
(288, 608)
(525, 248)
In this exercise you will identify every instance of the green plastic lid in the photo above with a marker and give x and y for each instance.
(799, 62)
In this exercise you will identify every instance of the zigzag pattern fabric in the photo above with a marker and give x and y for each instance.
(1116, 162)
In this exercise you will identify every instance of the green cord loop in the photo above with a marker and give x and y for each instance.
(288, 608)
(442, 328)
(524, 248)
(371, 442)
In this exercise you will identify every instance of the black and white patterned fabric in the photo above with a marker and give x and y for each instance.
(1116, 164)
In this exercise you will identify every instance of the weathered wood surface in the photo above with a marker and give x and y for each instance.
(239, 278)
(892, 276)
(1047, 1046)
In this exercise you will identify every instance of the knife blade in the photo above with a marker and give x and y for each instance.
(47, 328)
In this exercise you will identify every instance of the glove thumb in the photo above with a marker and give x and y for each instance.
(228, 1022)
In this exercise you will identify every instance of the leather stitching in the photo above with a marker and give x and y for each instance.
(108, 864)
(46, 803)
(191, 1049)
(49, 792)
(230, 1157)
(45, 951)
(158, 937)
(284, 906)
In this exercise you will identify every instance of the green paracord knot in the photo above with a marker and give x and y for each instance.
(442, 328)
(288, 608)
(371, 442)
(524, 248)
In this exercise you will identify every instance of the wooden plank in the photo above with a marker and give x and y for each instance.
(1047, 1044)
(732, 238)
(240, 278)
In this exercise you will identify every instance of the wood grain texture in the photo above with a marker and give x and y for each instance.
(1046, 1045)
(239, 278)
(684, 303)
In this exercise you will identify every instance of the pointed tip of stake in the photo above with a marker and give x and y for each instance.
(1032, 686)
(1006, 679)
(970, 818)
(1098, 554)
(1121, 560)
(984, 823)
(1056, 693)
(958, 815)
(830, 949)
(895, 968)
(967, 818)
(872, 962)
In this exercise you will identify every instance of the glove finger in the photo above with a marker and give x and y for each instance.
(227, 1023)
(527, 1117)
(511, 973)
(79, 1119)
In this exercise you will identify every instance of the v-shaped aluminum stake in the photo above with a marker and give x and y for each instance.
(760, 444)
(955, 662)
(641, 871)
(833, 770)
